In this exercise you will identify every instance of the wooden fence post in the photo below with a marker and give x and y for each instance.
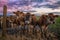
(4, 20)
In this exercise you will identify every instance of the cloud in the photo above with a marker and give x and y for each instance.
(50, 4)
(14, 5)
(45, 10)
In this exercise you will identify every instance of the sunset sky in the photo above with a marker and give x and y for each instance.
(38, 6)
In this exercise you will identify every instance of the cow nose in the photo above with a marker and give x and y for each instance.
(53, 22)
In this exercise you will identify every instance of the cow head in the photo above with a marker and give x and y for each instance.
(47, 19)
(52, 17)
(18, 13)
(28, 14)
(43, 20)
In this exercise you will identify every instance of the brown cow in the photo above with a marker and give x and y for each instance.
(52, 17)
(33, 20)
(43, 22)
(34, 23)
(21, 20)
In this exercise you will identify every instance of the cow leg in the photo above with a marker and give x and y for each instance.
(42, 32)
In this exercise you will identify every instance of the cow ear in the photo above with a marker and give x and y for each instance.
(14, 12)
(50, 14)
(46, 15)
(56, 15)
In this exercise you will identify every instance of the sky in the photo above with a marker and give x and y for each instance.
(35, 6)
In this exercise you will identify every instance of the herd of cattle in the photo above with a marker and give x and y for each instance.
(25, 24)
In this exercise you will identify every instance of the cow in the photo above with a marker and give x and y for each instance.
(33, 20)
(44, 21)
(20, 17)
(20, 20)
(34, 24)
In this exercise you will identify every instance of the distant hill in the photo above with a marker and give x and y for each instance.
(8, 14)
(56, 13)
